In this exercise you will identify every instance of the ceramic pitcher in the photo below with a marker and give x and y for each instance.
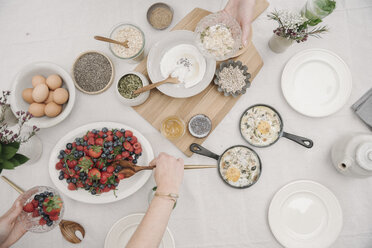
(352, 155)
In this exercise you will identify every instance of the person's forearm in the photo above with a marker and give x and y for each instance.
(150, 232)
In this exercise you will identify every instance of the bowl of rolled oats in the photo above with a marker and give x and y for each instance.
(134, 51)
(232, 78)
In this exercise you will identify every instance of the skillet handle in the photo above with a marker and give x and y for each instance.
(196, 148)
(308, 143)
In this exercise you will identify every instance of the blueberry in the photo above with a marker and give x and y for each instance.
(90, 146)
(104, 168)
(109, 185)
(115, 143)
(37, 197)
(76, 168)
(50, 194)
(64, 166)
(69, 146)
(104, 136)
(122, 130)
(107, 152)
(104, 129)
(95, 160)
(119, 167)
(110, 148)
(40, 211)
(68, 180)
(102, 186)
(95, 184)
(60, 156)
(84, 178)
(131, 153)
(73, 180)
(123, 149)
(115, 137)
(40, 204)
(77, 139)
(95, 131)
(61, 152)
(49, 223)
(134, 161)
(93, 192)
(103, 155)
(61, 173)
(61, 177)
(42, 195)
(111, 156)
(81, 174)
(136, 156)
(85, 143)
(140, 154)
(81, 153)
(87, 187)
(129, 138)
(116, 170)
(116, 184)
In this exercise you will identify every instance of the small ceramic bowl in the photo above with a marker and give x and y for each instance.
(153, 7)
(234, 64)
(23, 81)
(139, 99)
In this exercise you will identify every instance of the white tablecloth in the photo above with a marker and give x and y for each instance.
(209, 213)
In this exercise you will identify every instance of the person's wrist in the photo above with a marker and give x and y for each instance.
(168, 189)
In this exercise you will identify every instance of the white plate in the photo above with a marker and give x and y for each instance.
(125, 188)
(156, 53)
(121, 232)
(23, 81)
(316, 82)
(305, 214)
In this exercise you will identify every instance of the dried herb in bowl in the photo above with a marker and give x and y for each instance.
(128, 84)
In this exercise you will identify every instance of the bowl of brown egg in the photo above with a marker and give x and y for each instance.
(46, 91)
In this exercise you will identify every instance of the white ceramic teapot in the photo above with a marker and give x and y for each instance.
(352, 156)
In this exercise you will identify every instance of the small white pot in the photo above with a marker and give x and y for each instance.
(139, 99)
(279, 44)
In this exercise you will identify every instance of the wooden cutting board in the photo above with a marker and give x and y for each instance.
(209, 102)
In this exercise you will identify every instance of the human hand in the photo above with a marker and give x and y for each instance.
(242, 11)
(168, 173)
(11, 230)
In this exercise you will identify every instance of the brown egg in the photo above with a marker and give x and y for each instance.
(27, 95)
(60, 96)
(37, 109)
(50, 97)
(38, 79)
(40, 93)
(53, 109)
(54, 81)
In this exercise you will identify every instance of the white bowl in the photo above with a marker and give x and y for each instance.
(23, 81)
(139, 99)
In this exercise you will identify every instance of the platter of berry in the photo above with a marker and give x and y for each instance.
(82, 164)
(42, 209)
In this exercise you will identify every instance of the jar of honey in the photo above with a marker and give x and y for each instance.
(173, 127)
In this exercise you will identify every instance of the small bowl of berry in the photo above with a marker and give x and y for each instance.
(42, 209)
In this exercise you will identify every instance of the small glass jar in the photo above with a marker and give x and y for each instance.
(134, 56)
(173, 127)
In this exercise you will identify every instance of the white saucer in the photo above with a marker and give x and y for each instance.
(156, 53)
(121, 232)
(305, 214)
(316, 82)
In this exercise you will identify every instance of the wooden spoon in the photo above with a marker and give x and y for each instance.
(129, 169)
(101, 38)
(154, 85)
(68, 228)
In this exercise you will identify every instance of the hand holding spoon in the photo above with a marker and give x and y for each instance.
(101, 38)
(68, 228)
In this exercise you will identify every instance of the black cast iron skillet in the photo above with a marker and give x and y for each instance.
(308, 143)
(196, 148)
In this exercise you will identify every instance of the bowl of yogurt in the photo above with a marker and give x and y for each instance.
(177, 56)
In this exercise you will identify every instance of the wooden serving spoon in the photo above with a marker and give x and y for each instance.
(129, 169)
(101, 38)
(154, 85)
(68, 228)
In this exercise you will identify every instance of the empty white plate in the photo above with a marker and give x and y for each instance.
(316, 82)
(121, 232)
(305, 214)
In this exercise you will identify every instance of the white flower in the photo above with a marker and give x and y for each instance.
(291, 20)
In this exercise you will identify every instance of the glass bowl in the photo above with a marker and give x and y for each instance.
(211, 20)
(32, 223)
(138, 56)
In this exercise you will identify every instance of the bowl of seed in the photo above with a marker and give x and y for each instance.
(160, 15)
(93, 72)
(129, 83)
(232, 78)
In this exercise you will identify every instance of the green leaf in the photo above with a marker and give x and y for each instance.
(15, 162)
(21, 158)
(0, 147)
(314, 22)
(7, 165)
(14, 144)
(8, 151)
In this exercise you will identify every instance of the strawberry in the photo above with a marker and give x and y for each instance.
(69, 164)
(109, 133)
(118, 157)
(99, 142)
(106, 189)
(66, 176)
(136, 146)
(121, 176)
(94, 174)
(109, 138)
(95, 151)
(29, 208)
(85, 138)
(128, 134)
(100, 164)
(71, 186)
(131, 149)
(59, 166)
(90, 134)
(106, 174)
(100, 133)
(127, 145)
(138, 151)
(110, 169)
(67, 151)
(54, 217)
(35, 213)
(119, 134)
(73, 144)
(74, 162)
(35, 203)
(125, 154)
(80, 148)
(85, 163)
(42, 222)
(89, 182)
(134, 140)
(79, 185)
(91, 141)
(103, 180)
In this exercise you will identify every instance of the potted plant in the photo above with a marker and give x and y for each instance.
(11, 138)
(292, 27)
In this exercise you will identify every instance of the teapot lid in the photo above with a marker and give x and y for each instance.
(364, 155)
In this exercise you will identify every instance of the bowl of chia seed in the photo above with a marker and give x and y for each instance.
(93, 72)
(127, 84)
